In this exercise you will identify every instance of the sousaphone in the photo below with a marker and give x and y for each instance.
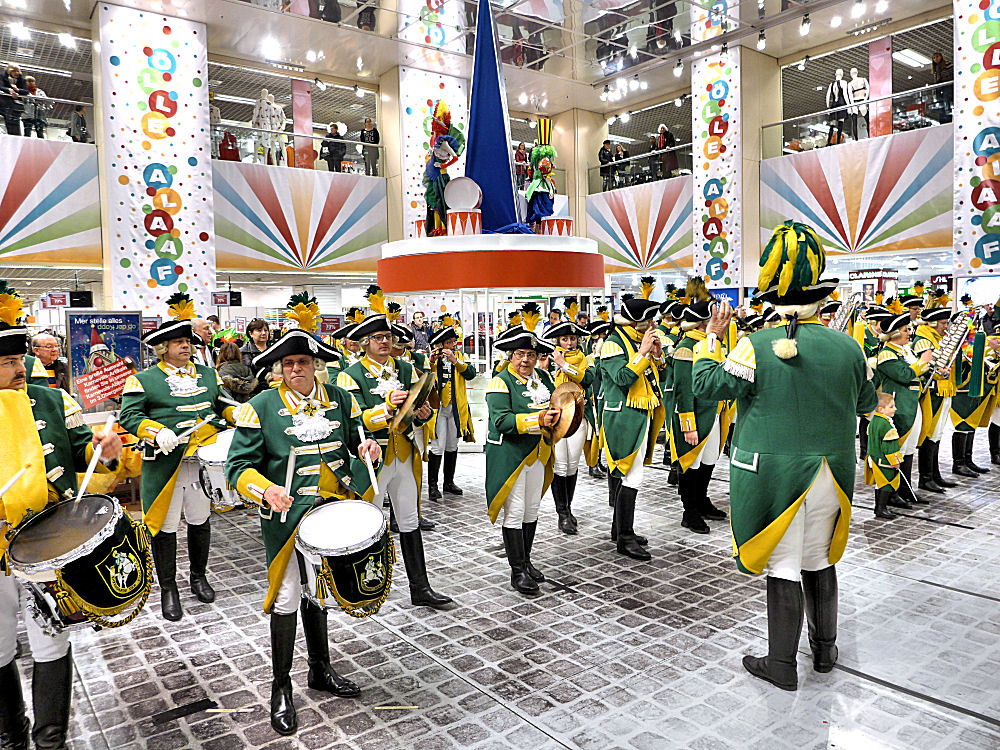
(414, 400)
(568, 398)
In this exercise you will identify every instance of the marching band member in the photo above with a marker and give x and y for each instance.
(53, 441)
(452, 418)
(380, 384)
(697, 426)
(828, 310)
(898, 372)
(571, 365)
(884, 458)
(935, 402)
(518, 461)
(670, 333)
(971, 407)
(318, 425)
(633, 413)
(157, 403)
(798, 389)
(347, 345)
(597, 333)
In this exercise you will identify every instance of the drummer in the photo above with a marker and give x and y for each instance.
(570, 366)
(51, 437)
(518, 461)
(317, 425)
(381, 384)
(159, 405)
(452, 418)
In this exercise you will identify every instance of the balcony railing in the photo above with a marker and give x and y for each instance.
(44, 116)
(650, 166)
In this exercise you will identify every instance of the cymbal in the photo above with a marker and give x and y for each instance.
(414, 400)
(568, 398)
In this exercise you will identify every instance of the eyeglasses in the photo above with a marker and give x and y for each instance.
(46, 346)
(380, 338)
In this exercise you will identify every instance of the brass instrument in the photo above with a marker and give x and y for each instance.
(842, 318)
(568, 399)
(951, 344)
(415, 399)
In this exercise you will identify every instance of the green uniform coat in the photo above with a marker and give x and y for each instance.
(884, 458)
(928, 339)
(893, 375)
(691, 412)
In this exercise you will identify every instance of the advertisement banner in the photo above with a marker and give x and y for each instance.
(976, 245)
(156, 169)
(102, 346)
(716, 151)
(58, 299)
(330, 324)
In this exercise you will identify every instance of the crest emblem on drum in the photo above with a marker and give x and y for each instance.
(370, 573)
(120, 570)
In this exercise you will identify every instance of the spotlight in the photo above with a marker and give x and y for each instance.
(805, 25)
(532, 124)
(625, 117)
(19, 31)
(858, 9)
(359, 92)
(606, 93)
(835, 22)
(802, 65)
(643, 85)
(67, 40)
(725, 49)
(311, 56)
(319, 84)
(634, 83)
(881, 6)
(679, 69)
(761, 42)
(522, 98)
(611, 120)
(679, 102)
(270, 48)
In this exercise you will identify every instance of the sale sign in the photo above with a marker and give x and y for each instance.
(104, 383)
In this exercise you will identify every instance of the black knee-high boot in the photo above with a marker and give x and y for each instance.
(528, 532)
(925, 468)
(14, 724)
(819, 588)
(906, 488)
(199, 543)
(322, 676)
(882, 509)
(936, 467)
(283, 718)
(450, 462)
(958, 465)
(433, 469)
(625, 518)
(570, 491)
(513, 542)
(863, 435)
(421, 593)
(707, 509)
(51, 692)
(784, 627)
(969, 441)
(559, 498)
(689, 485)
(165, 557)
(994, 435)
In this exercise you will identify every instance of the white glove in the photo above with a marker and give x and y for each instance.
(166, 440)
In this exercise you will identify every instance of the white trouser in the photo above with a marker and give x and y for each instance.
(189, 497)
(637, 471)
(909, 447)
(713, 444)
(397, 479)
(43, 647)
(525, 496)
(447, 432)
(806, 543)
(568, 452)
(945, 418)
(290, 591)
(418, 441)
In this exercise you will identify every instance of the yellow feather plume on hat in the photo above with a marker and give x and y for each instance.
(572, 307)
(646, 290)
(696, 291)
(11, 305)
(303, 311)
(392, 311)
(447, 320)
(603, 314)
(835, 295)
(355, 315)
(514, 318)
(757, 307)
(530, 315)
(376, 300)
(879, 296)
(180, 306)
(895, 307)
(918, 288)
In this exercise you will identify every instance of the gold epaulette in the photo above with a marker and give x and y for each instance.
(246, 416)
(346, 382)
(132, 385)
(497, 385)
(611, 349)
(886, 355)
(684, 354)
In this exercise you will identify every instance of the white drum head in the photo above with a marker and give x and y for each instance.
(217, 452)
(340, 527)
(463, 193)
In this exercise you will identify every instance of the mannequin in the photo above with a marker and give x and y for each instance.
(215, 120)
(836, 96)
(262, 120)
(858, 92)
(278, 120)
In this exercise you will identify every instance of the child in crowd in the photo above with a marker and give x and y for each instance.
(884, 457)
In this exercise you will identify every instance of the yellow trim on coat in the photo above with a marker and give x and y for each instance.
(875, 476)
(276, 571)
(145, 429)
(529, 460)
(153, 518)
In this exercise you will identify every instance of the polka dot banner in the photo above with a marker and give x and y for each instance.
(156, 159)
(716, 152)
(976, 235)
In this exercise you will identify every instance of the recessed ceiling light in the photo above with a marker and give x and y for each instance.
(270, 48)
(67, 40)
(912, 58)
(881, 6)
(19, 31)
(858, 9)
(522, 98)
(761, 42)
(835, 22)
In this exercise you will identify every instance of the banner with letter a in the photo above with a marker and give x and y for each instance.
(156, 168)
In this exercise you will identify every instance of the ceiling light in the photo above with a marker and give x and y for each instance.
(270, 48)
(835, 22)
(858, 9)
(625, 117)
(359, 92)
(621, 83)
(522, 98)
(805, 25)
(643, 85)
(67, 40)
(634, 83)
(19, 31)
(234, 99)
(605, 93)
(532, 124)
(20, 4)
(761, 42)
(311, 55)
(611, 120)
(911, 57)
(360, 63)
(319, 84)
(678, 69)
(881, 6)
(802, 65)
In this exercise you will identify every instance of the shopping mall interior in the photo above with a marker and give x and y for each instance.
(249, 153)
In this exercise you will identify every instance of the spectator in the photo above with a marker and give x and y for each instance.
(555, 315)
(653, 162)
(237, 378)
(366, 16)
(521, 164)
(582, 319)
(621, 165)
(201, 345)
(370, 135)
(668, 160)
(13, 90)
(34, 110)
(942, 73)
(605, 157)
(214, 321)
(333, 148)
(45, 347)
(78, 126)
(331, 11)
(421, 333)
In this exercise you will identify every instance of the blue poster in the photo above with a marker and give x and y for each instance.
(731, 294)
(98, 339)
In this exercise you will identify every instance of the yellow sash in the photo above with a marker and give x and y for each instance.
(574, 358)
(641, 394)
(30, 492)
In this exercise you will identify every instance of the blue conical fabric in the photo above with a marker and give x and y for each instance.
(488, 157)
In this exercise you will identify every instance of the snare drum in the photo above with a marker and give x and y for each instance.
(348, 554)
(212, 474)
(83, 562)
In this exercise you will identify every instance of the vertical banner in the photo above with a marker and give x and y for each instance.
(716, 150)
(302, 122)
(976, 244)
(880, 84)
(156, 164)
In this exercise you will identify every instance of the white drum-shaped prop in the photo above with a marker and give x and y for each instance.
(558, 226)
(213, 472)
(420, 228)
(463, 192)
(464, 222)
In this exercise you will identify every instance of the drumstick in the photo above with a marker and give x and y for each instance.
(368, 462)
(96, 457)
(289, 474)
(188, 432)
(13, 479)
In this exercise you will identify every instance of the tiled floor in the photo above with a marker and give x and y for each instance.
(614, 654)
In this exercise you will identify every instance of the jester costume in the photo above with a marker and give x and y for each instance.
(446, 144)
(542, 189)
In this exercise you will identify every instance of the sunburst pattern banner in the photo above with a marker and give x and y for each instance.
(51, 212)
(892, 193)
(297, 219)
(643, 227)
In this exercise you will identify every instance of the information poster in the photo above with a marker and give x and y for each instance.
(104, 349)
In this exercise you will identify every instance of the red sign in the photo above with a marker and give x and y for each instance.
(104, 382)
(942, 279)
(58, 299)
(330, 324)
(220, 299)
(241, 325)
(150, 324)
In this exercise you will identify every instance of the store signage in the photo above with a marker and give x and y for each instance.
(150, 324)
(154, 98)
(104, 383)
(717, 152)
(57, 299)
(330, 324)
(220, 299)
(976, 212)
(104, 349)
(241, 325)
(871, 274)
(941, 279)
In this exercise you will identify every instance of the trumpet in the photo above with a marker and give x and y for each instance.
(842, 318)
(951, 344)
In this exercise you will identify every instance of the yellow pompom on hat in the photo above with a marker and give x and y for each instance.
(13, 336)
